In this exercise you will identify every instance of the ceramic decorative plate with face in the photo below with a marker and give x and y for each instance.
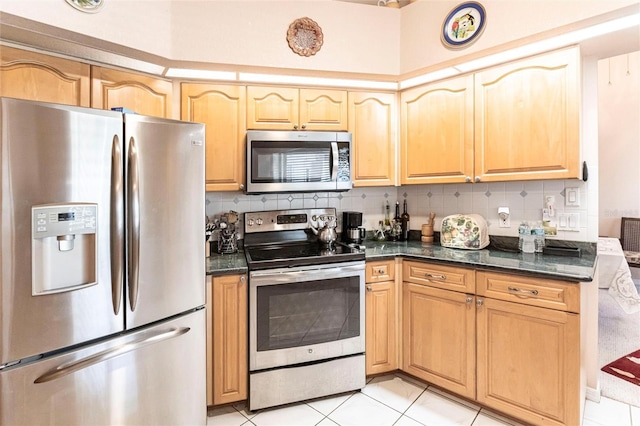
(89, 6)
(463, 25)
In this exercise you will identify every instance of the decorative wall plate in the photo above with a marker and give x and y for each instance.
(305, 37)
(463, 25)
(89, 6)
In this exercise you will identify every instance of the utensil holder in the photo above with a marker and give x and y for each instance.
(227, 242)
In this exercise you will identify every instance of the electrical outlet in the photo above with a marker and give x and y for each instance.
(505, 223)
(504, 217)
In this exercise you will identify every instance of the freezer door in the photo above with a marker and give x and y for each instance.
(57, 155)
(154, 376)
(165, 218)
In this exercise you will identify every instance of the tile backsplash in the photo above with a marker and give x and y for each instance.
(524, 199)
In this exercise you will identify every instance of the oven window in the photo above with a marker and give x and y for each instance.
(299, 314)
(285, 162)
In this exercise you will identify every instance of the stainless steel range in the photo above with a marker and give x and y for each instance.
(306, 309)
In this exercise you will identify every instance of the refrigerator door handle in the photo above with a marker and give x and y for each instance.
(133, 223)
(117, 224)
(68, 368)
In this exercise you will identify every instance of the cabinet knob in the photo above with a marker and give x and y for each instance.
(369, 288)
(467, 179)
(479, 302)
(304, 126)
(380, 271)
(477, 178)
(469, 300)
(295, 127)
(243, 279)
(242, 186)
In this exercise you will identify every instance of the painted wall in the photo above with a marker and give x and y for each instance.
(357, 38)
(507, 20)
(619, 135)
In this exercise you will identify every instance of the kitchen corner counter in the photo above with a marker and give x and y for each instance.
(226, 264)
(574, 269)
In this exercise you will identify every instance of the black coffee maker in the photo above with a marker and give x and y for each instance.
(352, 230)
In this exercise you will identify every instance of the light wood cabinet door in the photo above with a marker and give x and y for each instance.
(436, 143)
(223, 111)
(372, 123)
(140, 93)
(439, 337)
(272, 108)
(527, 119)
(381, 341)
(229, 339)
(322, 109)
(287, 108)
(38, 77)
(529, 362)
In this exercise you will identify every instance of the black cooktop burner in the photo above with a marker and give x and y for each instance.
(302, 253)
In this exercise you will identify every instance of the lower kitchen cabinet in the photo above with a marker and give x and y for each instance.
(510, 342)
(227, 335)
(439, 327)
(381, 324)
(529, 356)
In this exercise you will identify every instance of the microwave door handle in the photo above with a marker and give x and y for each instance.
(334, 166)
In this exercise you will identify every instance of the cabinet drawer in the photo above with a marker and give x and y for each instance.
(379, 271)
(441, 276)
(560, 295)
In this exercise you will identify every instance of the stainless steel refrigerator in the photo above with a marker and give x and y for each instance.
(102, 267)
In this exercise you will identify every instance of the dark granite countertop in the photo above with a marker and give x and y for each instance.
(575, 269)
(226, 264)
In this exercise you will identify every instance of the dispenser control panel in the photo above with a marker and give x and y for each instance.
(63, 219)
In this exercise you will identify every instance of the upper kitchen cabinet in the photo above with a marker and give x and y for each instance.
(139, 93)
(223, 110)
(527, 119)
(284, 108)
(437, 132)
(34, 76)
(372, 122)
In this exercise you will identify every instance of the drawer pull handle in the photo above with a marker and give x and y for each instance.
(523, 292)
(369, 288)
(438, 277)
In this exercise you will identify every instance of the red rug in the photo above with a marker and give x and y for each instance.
(626, 368)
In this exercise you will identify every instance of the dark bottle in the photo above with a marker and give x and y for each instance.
(397, 215)
(404, 220)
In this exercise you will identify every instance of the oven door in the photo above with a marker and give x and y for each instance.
(305, 314)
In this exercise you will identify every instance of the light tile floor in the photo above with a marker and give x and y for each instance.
(395, 399)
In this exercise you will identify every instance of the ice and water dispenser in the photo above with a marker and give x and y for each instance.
(64, 253)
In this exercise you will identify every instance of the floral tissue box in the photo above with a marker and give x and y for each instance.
(465, 231)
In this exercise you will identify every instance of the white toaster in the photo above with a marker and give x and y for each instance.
(465, 231)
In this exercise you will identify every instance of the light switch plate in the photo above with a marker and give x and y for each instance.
(572, 197)
(569, 222)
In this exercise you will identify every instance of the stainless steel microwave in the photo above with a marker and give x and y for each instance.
(288, 161)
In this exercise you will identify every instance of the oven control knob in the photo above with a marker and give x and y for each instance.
(259, 221)
(250, 222)
(310, 351)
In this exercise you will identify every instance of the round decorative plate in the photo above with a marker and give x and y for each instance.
(463, 25)
(305, 36)
(89, 6)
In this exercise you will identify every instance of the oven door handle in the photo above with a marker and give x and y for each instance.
(303, 275)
